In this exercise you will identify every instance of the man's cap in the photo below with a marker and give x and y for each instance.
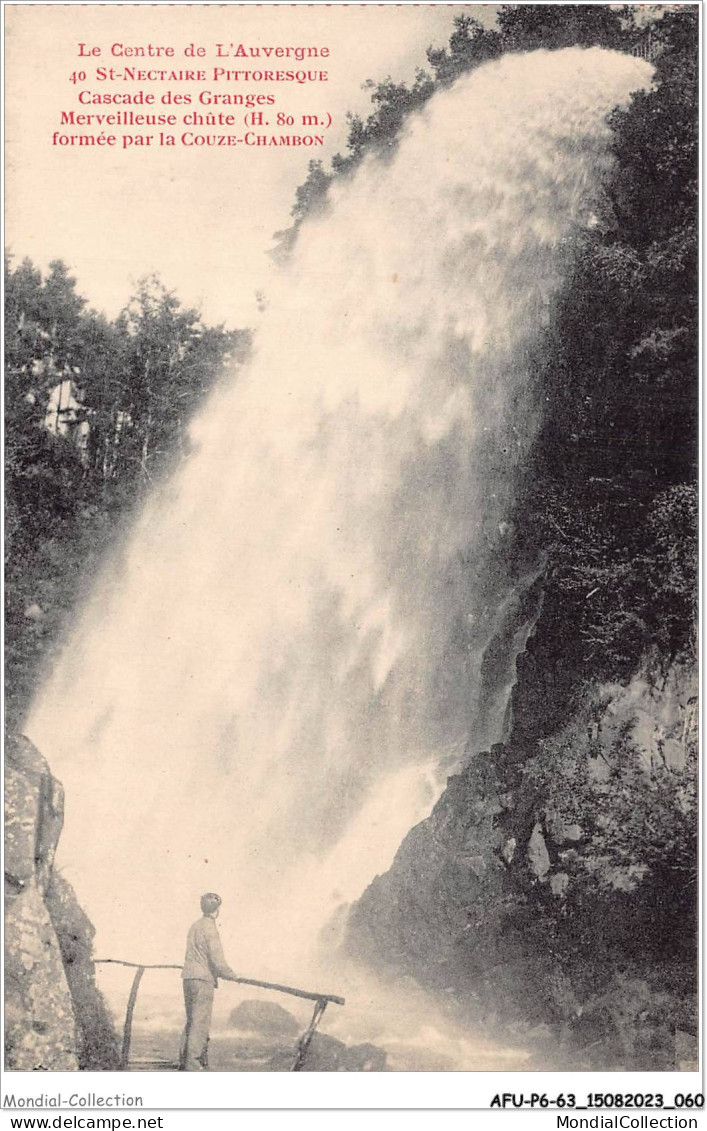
(210, 901)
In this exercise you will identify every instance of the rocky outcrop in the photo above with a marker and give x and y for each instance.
(56, 1019)
(537, 892)
(446, 874)
(41, 1031)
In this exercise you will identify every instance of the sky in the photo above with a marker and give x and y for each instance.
(203, 219)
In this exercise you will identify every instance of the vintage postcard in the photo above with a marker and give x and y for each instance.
(351, 498)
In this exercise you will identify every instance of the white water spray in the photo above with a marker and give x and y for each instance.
(262, 689)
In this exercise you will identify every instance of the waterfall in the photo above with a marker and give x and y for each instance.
(264, 689)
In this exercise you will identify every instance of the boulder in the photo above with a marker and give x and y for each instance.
(265, 1017)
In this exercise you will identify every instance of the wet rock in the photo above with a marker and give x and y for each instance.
(477, 865)
(454, 858)
(664, 715)
(265, 1017)
(325, 1054)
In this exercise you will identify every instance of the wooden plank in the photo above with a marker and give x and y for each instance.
(134, 965)
(309, 995)
(292, 991)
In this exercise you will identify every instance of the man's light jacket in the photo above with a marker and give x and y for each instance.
(205, 960)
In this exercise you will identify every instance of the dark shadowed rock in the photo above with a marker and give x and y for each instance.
(98, 1043)
(264, 1017)
(499, 898)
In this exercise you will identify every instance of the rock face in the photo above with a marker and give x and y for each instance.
(535, 891)
(446, 874)
(56, 1019)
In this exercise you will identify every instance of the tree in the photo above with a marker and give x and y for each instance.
(43, 475)
(310, 200)
(527, 27)
(393, 103)
(169, 359)
(43, 321)
(470, 44)
(135, 384)
(521, 27)
(378, 133)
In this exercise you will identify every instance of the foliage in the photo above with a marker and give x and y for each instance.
(521, 27)
(470, 44)
(168, 361)
(655, 190)
(527, 27)
(622, 570)
(610, 503)
(614, 500)
(129, 387)
(635, 813)
(310, 200)
(393, 103)
(621, 828)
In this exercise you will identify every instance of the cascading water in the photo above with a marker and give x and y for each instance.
(264, 686)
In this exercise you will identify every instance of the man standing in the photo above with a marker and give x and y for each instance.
(204, 964)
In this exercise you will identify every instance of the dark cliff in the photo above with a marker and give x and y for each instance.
(554, 882)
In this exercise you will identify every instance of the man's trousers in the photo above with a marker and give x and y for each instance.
(198, 1002)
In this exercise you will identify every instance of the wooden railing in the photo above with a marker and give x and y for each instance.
(321, 1002)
